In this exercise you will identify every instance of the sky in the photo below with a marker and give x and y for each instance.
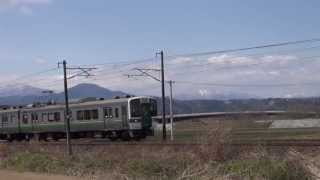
(36, 34)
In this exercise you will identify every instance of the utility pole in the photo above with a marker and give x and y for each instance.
(164, 131)
(144, 72)
(171, 111)
(83, 72)
(67, 117)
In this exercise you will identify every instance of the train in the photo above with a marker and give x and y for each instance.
(128, 118)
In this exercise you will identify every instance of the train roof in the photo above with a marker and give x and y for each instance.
(89, 103)
(9, 110)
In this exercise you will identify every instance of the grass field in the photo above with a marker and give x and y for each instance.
(212, 158)
(215, 161)
(238, 129)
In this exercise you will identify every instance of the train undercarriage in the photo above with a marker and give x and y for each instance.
(114, 135)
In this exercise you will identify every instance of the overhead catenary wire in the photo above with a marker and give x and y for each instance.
(25, 79)
(113, 73)
(247, 48)
(26, 76)
(248, 85)
(302, 59)
(117, 68)
(128, 63)
(123, 63)
(279, 53)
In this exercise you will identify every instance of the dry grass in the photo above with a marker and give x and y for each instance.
(218, 160)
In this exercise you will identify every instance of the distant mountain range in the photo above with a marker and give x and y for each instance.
(23, 95)
(26, 94)
(311, 104)
(19, 90)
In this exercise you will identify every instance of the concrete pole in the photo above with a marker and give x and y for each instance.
(171, 111)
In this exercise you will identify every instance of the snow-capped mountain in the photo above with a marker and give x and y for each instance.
(207, 94)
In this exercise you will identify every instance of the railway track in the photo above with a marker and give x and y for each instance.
(278, 142)
(103, 144)
(293, 142)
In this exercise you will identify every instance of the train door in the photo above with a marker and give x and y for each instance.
(1, 128)
(112, 117)
(117, 122)
(107, 116)
(4, 121)
(146, 115)
(35, 121)
(13, 122)
(124, 116)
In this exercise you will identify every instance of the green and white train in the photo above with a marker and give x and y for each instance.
(124, 118)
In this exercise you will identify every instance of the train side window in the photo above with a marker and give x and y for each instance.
(25, 118)
(95, 114)
(57, 117)
(34, 116)
(116, 112)
(51, 117)
(44, 117)
(80, 115)
(13, 118)
(4, 119)
(108, 112)
(87, 115)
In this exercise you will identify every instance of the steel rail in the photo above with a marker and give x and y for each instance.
(293, 142)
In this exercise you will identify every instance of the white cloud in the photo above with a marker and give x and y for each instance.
(24, 6)
(230, 60)
(40, 61)
(203, 92)
(181, 60)
(23, 2)
(224, 69)
(252, 70)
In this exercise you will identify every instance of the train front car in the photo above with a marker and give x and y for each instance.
(141, 110)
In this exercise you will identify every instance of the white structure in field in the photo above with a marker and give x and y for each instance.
(297, 123)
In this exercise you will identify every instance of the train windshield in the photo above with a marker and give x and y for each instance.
(140, 107)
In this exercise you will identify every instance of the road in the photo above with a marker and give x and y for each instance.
(10, 175)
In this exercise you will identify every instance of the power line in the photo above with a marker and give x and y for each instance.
(118, 69)
(247, 48)
(123, 63)
(311, 58)
(236, 85)
(23, 77)
(297, 50)
(248, 85)
(54, 82)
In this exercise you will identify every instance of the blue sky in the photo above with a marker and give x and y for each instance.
(36, 34)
